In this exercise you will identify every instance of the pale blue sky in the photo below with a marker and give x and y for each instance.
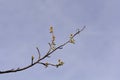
(24, 24)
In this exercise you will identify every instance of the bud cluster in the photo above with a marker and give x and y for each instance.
(53, 38)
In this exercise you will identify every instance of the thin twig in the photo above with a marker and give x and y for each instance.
(38, 52)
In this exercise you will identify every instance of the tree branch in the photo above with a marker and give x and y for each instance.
(50, 51)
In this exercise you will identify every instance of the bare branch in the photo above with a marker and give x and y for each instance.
(38, 52)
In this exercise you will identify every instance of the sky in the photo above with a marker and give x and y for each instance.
(24, 25)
